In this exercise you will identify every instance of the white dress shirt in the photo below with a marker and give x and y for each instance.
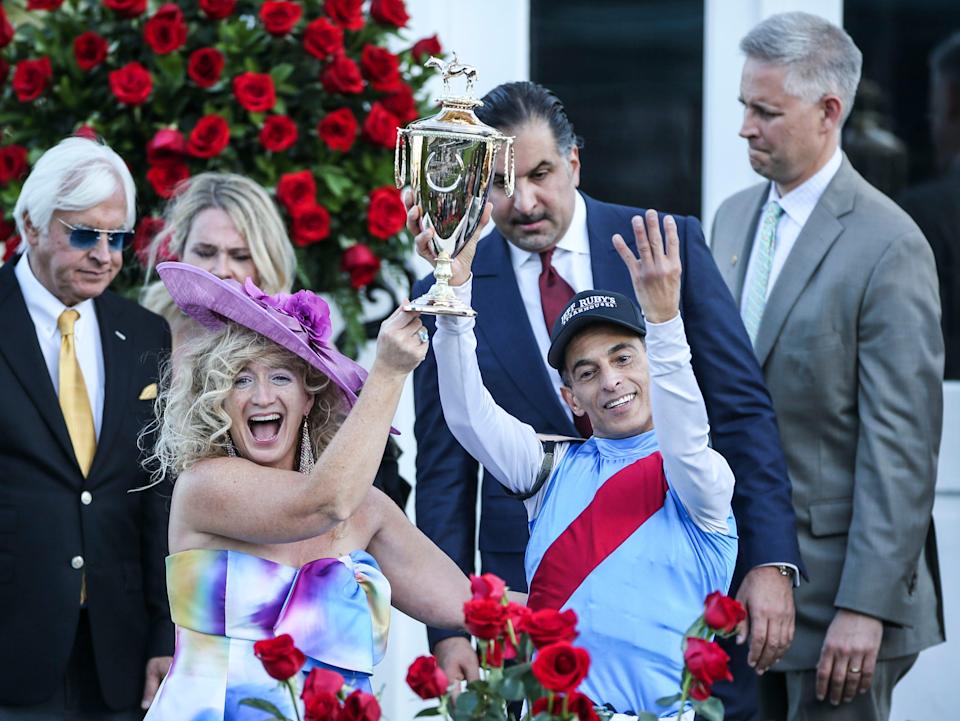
(45, 309)
(571, 259)
(797, 206)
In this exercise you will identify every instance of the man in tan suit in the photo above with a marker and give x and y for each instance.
(838, 291)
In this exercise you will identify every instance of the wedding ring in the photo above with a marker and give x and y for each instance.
(853, 670)
(423, 335)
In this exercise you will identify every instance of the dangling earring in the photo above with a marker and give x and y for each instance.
(231, 451)
(306, 449)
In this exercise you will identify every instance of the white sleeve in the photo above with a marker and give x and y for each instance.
(502, 444)
(700, 476)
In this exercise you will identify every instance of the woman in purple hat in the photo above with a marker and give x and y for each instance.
(274, 525)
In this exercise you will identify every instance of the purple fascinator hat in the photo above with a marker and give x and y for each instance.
(299, 322)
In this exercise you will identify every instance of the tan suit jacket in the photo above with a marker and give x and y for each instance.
(851, 350)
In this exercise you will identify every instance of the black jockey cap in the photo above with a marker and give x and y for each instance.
(590, 308)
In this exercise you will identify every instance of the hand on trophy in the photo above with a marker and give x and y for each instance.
(462, 262)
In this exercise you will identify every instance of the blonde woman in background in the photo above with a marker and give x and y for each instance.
(227, 225)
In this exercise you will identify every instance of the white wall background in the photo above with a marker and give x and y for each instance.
(494, 37)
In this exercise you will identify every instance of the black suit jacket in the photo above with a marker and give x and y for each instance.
(741, 415)
(121, 536)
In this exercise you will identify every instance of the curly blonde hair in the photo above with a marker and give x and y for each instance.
(190, 422)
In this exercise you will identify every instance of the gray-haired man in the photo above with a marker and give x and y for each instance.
(838, 291)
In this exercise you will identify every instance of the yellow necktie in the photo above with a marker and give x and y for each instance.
(74, 401)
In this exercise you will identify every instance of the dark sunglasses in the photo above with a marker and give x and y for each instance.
(86, 238)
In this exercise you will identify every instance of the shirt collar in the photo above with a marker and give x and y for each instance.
(644, 443)
(799, 203)
(44, 307)
(575, 240)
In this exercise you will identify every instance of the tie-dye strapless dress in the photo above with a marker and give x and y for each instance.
(336, 609)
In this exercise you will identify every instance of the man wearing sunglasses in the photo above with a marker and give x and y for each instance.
(82, 591)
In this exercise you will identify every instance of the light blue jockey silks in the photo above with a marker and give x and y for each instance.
(635, 606)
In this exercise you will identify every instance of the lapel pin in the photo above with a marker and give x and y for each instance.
(733, 260)
(120, 335)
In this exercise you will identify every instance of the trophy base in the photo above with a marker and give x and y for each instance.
(431, 305)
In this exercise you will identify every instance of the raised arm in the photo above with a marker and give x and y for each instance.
(700, 476)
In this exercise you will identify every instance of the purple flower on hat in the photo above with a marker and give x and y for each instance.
(270, 301)
(312, 312)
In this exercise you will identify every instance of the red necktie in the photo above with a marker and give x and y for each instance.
(555, 293)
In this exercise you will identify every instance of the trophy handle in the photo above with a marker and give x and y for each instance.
(400, 158)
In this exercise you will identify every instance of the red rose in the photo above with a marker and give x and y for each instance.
(13, 163)
(321, 706)
(706, 661)
(255, 92)
(280, 658)
(31, 78)
(297, 191)
(722, 613)
(278, 133)
(166, 31)
(561, 667)
(131, 84)
(218, 9)
(484, 618)
(487, 585)
(497, 651)
(321, 680)
(548, 626)
(341, 75)
(164, 177)
(389, 12)
(401, 103)
(348, 14)
(426, 47)
(578, 704)
(127, 8)
(311, 224)
(700, 691)
(43, 4)
(6, 29)
(424, 677)
(147, 229)
(360, 706)
(86, 131)
(517, 615)
(89, 49)
(166, 144)
(322, 38)
(319, 695)
(209, 137)
(10, 247)
(380, 127)
(338, 130)
(279, 16)
(381, 68)
(205, 66)
(387, 216)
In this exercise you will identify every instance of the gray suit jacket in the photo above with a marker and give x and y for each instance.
(852, 352)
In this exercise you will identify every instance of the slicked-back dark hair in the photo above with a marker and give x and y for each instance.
(512, 105)
(945, 58)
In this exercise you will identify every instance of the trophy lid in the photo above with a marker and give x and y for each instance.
(456, 116)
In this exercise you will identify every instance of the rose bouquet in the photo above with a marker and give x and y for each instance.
(547, 668)
(324, 695)
(302, 96)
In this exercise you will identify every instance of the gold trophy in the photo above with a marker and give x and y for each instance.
(452, 160)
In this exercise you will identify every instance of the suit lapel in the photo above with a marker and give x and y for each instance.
(503, 323)
(117, 360)
(734, 268)
(24, 355)
(609, 272)
(817, 236)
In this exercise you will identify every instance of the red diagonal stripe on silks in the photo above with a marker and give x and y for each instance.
(621, 505)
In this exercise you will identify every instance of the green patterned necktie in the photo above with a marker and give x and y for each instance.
(756, 299)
